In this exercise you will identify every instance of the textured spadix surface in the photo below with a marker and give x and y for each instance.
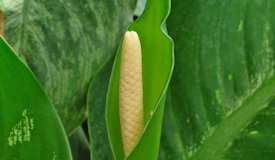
(130, 92)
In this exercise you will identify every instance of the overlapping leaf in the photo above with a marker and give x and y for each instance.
(79, 145)
(64, 43)
(100, 145)
(30, 127)
(223, 81)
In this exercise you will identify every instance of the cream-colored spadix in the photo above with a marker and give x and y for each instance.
(131, 92)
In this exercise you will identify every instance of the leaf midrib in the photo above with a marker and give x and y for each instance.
(230, 127)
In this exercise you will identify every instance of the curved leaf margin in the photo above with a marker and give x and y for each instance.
(155, 113)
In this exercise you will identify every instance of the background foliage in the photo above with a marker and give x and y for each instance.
(224, 58)
(220, 101)
(64, 43)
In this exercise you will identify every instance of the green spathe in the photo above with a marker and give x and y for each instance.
(157, 65)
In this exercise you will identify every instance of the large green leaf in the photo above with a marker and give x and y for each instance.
(30, 127)
(64, 43)
(223, 81)
(157, 64)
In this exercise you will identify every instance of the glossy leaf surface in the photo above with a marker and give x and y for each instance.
(64, 43)
(157, 64)
(221, 94)
(30, 127)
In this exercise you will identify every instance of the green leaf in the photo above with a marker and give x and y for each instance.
(30, 127)
(100, 146)
(79, 145)
(157, 64)
(171, 143)
(257, 139)
(223, 81)
(64, 43)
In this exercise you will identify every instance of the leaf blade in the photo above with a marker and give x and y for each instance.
(223, 54)
(30, 126)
